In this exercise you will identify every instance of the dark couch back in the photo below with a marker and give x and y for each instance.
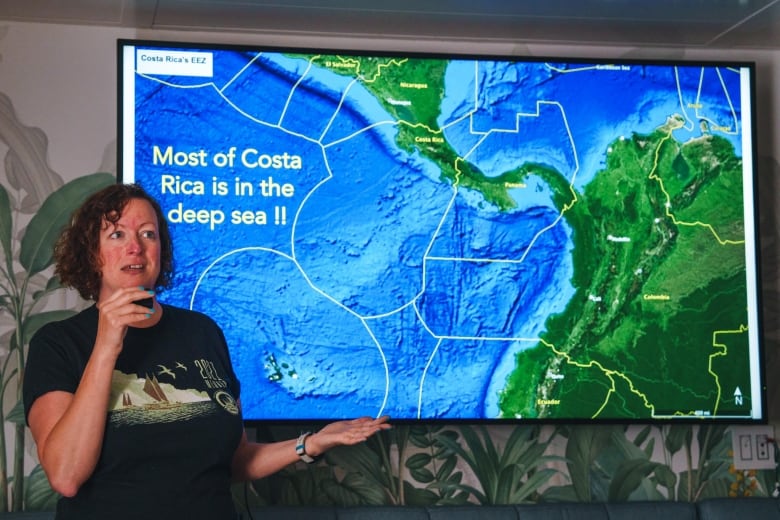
(711, 509)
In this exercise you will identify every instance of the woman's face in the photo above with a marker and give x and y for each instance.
(130, 249)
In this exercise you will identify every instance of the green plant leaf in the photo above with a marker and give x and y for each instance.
(507, 481)
(36, 321)
(418, 460)
(5, 228)
(766, 480)
(519, 443)
(359, 487)
(44, 228)
(666, 477)
(357, 459)
(647, 490)
(677, 436)
(447, 488)
(443, 449)
(422, 475)
(457, 500)
(454, 479)
(52, 284)
(684, 484)
(39, 496)
(585, 444)
(446, 469)
(649, 449)
(246, 497)
(419, 497)
(531, 486)
(642, 435)
(16, 415)
(307, 486)
(482, 459)
(628, 477)
(564, 493)
(625, 449)
(714, 445)
(506, 477)
(366, 464)
(420, 436)
(713, 488)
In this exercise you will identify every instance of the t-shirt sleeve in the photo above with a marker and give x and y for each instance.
(225, 354)
(49, 367)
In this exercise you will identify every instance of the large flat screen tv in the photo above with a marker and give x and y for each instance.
(458, 237)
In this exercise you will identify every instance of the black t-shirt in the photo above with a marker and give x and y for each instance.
(173, 421)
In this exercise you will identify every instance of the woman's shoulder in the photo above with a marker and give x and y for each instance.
(190, 323)
(62, 320)
(180, 314)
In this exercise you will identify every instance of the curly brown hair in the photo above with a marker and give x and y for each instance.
(77, 251)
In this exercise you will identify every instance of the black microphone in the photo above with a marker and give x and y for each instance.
(145, 302)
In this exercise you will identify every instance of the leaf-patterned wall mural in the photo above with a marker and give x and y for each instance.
(411, 464)
(34, 204)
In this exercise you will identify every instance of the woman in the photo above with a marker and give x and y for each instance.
(133, 404)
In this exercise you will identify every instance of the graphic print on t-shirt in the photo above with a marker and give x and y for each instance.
(144, 399)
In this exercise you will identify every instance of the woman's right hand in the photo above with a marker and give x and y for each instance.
(118, 312)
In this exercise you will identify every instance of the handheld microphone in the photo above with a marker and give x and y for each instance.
(145, 302)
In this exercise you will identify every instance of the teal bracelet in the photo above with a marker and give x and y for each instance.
(300, 449)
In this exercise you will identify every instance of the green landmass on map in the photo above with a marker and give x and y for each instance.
(640, 314)
(623, 346)
(411, 90)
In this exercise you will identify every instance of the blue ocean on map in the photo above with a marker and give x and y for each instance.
(351, 279)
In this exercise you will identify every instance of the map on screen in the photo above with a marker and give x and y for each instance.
(457, 238)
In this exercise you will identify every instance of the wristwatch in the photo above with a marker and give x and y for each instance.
(300, 449)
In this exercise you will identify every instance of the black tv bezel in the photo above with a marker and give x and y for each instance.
(367, 52)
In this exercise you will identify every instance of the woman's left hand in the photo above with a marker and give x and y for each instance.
(345, 433)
